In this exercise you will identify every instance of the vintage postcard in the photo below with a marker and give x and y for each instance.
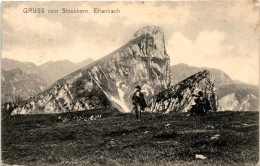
(130, 83)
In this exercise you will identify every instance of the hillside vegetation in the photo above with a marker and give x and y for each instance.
(118, 139)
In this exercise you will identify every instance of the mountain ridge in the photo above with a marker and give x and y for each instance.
(182, 71)
(50, 71)
(18, 85)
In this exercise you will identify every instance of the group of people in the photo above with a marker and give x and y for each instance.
(201, 107)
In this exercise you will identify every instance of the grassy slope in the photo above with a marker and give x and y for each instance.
(118, 139)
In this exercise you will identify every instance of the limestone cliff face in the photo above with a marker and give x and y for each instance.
(110, 80)
(236, 102)
(179, 97)
(238, 97)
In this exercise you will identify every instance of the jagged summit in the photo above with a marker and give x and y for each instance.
(203, 75)
(179, 97)
(110, 80)
(149, 30)
(138, 38)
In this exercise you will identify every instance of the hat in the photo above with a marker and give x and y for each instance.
(138, 87)
(200, 93)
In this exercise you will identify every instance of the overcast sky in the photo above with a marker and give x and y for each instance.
(223, 35)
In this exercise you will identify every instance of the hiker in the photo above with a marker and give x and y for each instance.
(202, 105)
(138, 102)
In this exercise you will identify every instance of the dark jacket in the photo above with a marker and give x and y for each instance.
(138, 98)
(203, 103)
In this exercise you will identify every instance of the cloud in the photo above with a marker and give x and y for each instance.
(208, 44)
(247, 12)
(29, 22)
(213, 34)
(76, 52)
(85, 49)
(137, 13)
(209, 49)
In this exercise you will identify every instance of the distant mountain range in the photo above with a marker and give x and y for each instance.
(18, 85)
(49, 71)
(21, 80)
(32, 79)
(182, 71)
(24, 79)
(27, 67)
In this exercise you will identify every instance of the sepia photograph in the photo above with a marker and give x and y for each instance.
(130, 83)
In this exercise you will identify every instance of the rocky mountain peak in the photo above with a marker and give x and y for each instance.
(157, 35)
(180, 96)
(149, 30)
(111, 80)
(205, 74)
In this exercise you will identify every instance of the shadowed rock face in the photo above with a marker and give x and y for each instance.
(110, 80)
(179, 97)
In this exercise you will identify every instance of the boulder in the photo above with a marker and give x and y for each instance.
(179, 98)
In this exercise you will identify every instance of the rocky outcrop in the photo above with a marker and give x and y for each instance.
(17, 85)
(110, 80)
(178, 98)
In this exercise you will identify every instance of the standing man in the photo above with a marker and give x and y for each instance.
(138, 102)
